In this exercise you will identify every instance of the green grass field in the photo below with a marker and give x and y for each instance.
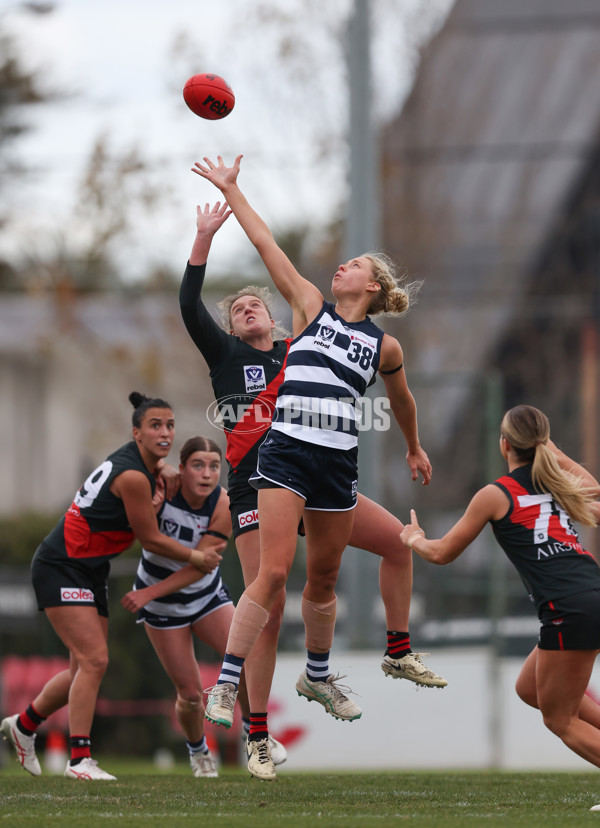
(143, 797)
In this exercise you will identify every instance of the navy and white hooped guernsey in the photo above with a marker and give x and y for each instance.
(329, 366)
(186, 525)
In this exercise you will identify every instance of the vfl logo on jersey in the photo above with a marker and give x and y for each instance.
(170, 527)
(76, 594)
(325, 336)
(254, 376)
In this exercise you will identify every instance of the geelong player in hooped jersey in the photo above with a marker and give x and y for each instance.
(329, 366)
(246, 369)
(70, 571)
(532, 510)
(175, 602)
(307, 464)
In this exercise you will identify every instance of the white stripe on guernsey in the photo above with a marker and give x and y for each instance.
(160, 560)
(318, 436)
(319, 406)
(168, 563)
(184, 610)
(320, 376)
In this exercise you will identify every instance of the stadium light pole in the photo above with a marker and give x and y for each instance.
(497, 577)
(362, 234)
(362, 224)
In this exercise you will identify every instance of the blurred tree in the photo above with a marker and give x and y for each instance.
(115, 185)
(20, 536)
(19, 88)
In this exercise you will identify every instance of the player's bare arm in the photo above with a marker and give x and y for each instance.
(302, 296)
(133, 488)
(490, 503)
(208, 221)
(403, 407)
(211, 548)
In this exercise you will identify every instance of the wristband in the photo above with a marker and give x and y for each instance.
(197, 557)
(412, 537)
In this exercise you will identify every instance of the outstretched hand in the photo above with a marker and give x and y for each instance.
(210, 219)
(418, 461)
(218, 174)
(410, 529)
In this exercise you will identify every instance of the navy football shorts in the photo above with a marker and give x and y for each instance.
(571, 623)
(65, 583)
(326, 478)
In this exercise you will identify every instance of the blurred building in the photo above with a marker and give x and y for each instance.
(68, 364)
(491, 194)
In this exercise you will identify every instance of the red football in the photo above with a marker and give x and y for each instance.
(209, 96)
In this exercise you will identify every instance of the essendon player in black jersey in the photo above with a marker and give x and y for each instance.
(532, 510)
(70, 578)
(246, 368)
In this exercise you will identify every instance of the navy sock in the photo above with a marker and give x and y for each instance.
(197, 747)
(230, 670)
(317, 666)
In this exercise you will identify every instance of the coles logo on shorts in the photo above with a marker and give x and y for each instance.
(248, 518)
(76, 594)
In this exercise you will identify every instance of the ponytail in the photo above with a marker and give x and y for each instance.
(565, 488)
(527, 429)
(395, 294)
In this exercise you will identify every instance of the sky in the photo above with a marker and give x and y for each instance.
(125, 63)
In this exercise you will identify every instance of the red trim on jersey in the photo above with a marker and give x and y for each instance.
(253, 425)
(560, 641)
(527, 515)
(81, 542)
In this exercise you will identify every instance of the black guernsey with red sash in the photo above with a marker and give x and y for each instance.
(539, 538)
(245, 380)
(95, 527)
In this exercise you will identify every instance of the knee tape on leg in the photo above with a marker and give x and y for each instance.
(188, 706)
(319, 624)
(249, 620)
